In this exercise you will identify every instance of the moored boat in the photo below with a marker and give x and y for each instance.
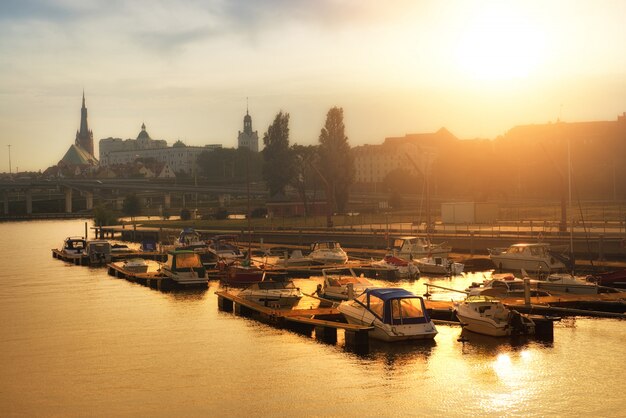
(98, 252)
(274, 293)
(401, 268)
(396, 314)
(411, 247)
(184, 267)
(532, 257)
(328, 252)
(240, 273)
(439, 265)
(342, 284)
(488, 316)
(134, 265)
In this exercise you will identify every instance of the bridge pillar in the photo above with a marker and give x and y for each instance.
(89, 199)
(29, 201)
(68, 200)
(167, 201)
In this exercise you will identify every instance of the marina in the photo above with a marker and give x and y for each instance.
(138, 326)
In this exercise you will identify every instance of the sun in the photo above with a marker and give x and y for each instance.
(499, 44)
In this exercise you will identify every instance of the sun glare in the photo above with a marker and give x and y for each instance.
(499, 44)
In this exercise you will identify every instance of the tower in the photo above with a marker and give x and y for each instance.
(248, 138)
(84, 137)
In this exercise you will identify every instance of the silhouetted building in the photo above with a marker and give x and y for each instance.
(248, 138)
(179, 157)
(84, 136)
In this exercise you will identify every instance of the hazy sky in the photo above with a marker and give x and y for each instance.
(185, 68)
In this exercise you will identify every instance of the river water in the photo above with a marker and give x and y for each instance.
(77, 342)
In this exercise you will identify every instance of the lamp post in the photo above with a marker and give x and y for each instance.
(10, 173)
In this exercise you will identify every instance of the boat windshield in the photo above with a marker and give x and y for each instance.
(406, 308)
(188, 260)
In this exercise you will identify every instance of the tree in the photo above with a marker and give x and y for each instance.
(278, 159)
(131, 206)
(336, 161)
(229, 164)
(103, 216)
(305, 177)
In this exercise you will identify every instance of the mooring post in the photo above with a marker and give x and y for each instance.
(527, 291)
(357, 341)
(326, 334)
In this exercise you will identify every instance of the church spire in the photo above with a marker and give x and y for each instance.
(84, 137)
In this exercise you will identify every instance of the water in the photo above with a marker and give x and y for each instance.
(76, 341)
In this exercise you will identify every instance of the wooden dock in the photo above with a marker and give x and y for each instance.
(83, 259)
(325, 321)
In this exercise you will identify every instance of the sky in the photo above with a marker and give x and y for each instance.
(188, 68)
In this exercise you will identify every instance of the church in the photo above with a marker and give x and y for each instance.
(81, 152)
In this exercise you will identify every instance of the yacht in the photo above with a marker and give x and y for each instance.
(418, 247)
(184, 267)
(328, 252)
(533, 257)
(273, 293)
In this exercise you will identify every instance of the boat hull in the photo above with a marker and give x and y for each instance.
(385, 332)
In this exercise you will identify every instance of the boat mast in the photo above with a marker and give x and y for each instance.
(569, 186)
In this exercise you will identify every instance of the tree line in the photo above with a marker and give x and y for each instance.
(307, 169)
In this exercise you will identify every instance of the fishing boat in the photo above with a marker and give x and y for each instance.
(533, 257)
(328, 252)
(342, 284)
(418, 247)
(401, 268)
(184, 267)
(274, 293)
(439, 265)
(487, 315)
(396, 314)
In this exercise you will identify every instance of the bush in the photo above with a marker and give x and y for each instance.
(103, 216)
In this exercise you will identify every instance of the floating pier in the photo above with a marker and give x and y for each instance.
(325, 321)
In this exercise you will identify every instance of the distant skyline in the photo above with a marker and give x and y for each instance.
(185, 68)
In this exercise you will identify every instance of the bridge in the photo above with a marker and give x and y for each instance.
(27, 191)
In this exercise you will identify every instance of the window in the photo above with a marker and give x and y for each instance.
(406, 308)
(376, 305)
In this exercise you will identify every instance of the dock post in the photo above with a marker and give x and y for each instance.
(357, 341)
(544, 328)
(224, 304)
(326, 334)
(527, 291)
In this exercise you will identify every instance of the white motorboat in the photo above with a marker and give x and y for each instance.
(564, 283)
(439, 265)
(488, 316)
(184, 267)
(273, 293)
(73, 246)
(533, 257)
(225, 247)
(418, 247)
(504, 286)
(401, 268)
(343, 284)
(328, 252)
(396, 314)
(135, 265)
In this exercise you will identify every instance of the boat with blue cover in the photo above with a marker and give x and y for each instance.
(395, 313)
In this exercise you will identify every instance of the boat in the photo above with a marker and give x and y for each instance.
(240, 272)
(225, 247)
(274, 293)
(135, 265)
(615, 279)
(439, 265)
(189, 239)
(296, 258)
(395, 313)
(533, 257)
(342, 284)
(503, 286)
(98, 252)
(564, 283)
(184, 267)
(411, 247)
(73, 246)
(401, 268)
(328, 252)
(487, 315)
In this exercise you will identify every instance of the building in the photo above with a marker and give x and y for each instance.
(413, 153)
(179, 157)
(248, 138)
(79, 157)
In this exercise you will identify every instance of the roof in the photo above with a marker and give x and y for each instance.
(387, 293)
(77, 155)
